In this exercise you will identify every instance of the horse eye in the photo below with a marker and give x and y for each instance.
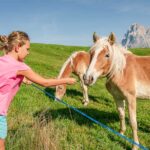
(107, 55)
(60, 87)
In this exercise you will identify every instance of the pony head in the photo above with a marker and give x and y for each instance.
(107, 59)
(60, 91)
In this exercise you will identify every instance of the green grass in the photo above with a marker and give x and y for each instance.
(36, 122)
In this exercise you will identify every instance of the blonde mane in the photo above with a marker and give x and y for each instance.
(118, 59)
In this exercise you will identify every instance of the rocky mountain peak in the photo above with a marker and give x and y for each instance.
(137, 36)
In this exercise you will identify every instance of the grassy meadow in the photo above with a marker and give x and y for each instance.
(37, 122)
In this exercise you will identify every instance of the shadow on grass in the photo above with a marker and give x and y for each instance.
(67, 113)
(144, 127)
(105, 117)
(74, 93)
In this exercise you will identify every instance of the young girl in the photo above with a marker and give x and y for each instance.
(12, 71)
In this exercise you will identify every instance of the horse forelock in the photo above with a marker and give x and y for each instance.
(99, 44)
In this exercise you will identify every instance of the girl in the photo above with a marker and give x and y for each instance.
(12, 71)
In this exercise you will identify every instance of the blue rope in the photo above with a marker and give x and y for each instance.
(92, 119)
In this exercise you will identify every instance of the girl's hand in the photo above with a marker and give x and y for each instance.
(26, 81)
(71, 81)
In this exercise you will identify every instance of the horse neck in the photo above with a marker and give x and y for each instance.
(66, 69)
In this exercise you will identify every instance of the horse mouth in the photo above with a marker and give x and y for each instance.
(86, 82)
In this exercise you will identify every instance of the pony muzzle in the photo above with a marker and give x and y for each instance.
(88, 80)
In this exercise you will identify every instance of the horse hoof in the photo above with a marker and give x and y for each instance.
(85, 103)
(121, 132)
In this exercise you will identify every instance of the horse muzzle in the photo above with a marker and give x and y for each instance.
(88, 80)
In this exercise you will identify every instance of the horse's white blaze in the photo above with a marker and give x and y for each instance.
(91, 70)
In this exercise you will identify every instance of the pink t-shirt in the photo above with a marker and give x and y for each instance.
(9, 80)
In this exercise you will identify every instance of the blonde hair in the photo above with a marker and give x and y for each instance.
(13, 39)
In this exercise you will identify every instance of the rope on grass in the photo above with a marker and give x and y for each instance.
(92, 119)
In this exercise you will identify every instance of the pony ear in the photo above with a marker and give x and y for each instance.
(112, 38)
(95, 37)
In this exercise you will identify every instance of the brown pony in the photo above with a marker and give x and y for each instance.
(128, 77)
(76, 63)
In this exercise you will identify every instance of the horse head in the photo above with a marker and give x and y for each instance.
(60, 91)
(101, 57)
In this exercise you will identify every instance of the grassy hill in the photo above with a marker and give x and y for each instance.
(37, 122)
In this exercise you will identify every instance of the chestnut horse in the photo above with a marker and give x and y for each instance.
(77, 63)
(128, 77)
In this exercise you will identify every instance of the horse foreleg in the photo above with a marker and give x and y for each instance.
(85, 100)
(121, 109)
(133, 121)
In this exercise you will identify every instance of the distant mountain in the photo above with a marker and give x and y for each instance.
(137, 37)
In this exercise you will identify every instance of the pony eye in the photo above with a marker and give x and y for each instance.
(60, 87)
(107, 55)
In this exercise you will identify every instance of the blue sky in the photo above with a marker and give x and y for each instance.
(71, 22)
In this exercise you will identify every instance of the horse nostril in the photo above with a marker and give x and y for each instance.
(84, 77)
(91, 79)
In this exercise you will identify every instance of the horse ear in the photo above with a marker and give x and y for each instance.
(112, 38)
(95, 37)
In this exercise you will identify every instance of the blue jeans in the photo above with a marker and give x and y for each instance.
(3, 127)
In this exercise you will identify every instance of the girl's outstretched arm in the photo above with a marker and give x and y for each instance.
(36, 78)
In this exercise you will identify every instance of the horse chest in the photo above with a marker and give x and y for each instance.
(114, 90)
